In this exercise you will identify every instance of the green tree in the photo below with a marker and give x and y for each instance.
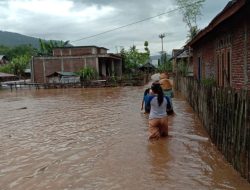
(132, 58)
(46, 47)
(182, 68)
(166, 65)
(191, 10)
(4, 50)
(146, 47)
(18, 57)
(193, 31)
(17, 65)
(18, 51)
(6, 68)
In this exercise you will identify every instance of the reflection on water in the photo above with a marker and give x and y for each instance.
(97, 139)
(160, 159)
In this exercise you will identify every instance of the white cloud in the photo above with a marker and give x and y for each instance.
(56, 8)
(76, 19)
(46, 7)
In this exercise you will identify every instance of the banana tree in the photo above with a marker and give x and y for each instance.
(46, 47)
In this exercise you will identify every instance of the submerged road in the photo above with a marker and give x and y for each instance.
(74, 139)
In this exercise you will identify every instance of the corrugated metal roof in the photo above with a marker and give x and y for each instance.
(62, 74)
(67, 73)
(6, 75)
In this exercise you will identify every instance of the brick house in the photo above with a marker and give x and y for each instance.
(222, 49)
(73, 59)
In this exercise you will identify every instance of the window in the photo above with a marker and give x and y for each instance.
(223, 60)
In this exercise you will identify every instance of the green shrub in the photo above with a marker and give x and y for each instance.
(182, 68)
(208, 82)
(88, 73)
(6, 68)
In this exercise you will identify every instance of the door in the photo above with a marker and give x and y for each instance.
(199, 69)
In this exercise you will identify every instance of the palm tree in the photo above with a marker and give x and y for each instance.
(46, 47)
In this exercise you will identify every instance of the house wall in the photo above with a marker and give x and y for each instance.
(205, 52)
(76, 51)
(102, 51)
(72, 65)
(73, 59)
(43, 66)
(248, 50)
(230, 41)
(238, 55)
(118, 67)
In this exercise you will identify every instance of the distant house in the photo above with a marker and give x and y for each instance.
(181, 58)
(3, 59)
(73, 59)
(7, 77)
(147, 67)
(222, 49)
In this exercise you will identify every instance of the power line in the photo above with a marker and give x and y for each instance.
(133, 23)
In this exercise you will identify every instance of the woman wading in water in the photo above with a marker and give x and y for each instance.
(158, 120)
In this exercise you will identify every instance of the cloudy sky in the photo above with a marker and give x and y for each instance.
(75, 20)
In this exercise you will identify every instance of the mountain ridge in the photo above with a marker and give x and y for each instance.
(13, 39)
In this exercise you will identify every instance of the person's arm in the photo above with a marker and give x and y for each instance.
(172, 94)
(147, 102)
(142, 104)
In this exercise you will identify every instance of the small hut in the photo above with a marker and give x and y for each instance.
(63, 77)
(3, 59)
(147, 67)
(7, 77)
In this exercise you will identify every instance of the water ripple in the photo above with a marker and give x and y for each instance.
(97, 139)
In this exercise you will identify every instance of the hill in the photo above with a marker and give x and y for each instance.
(11, 39)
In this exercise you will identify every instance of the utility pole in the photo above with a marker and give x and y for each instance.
(163, 35)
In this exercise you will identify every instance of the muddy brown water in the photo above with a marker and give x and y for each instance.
(74, 139)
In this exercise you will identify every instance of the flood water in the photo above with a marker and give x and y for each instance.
(74, 139)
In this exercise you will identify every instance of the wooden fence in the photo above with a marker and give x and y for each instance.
(225, 113)
(130, 80)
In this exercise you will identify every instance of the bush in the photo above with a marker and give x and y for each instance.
(6, 69)
(88, 73)
(182, 68)
(208, 82)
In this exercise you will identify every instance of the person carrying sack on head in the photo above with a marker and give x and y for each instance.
(167, 88)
